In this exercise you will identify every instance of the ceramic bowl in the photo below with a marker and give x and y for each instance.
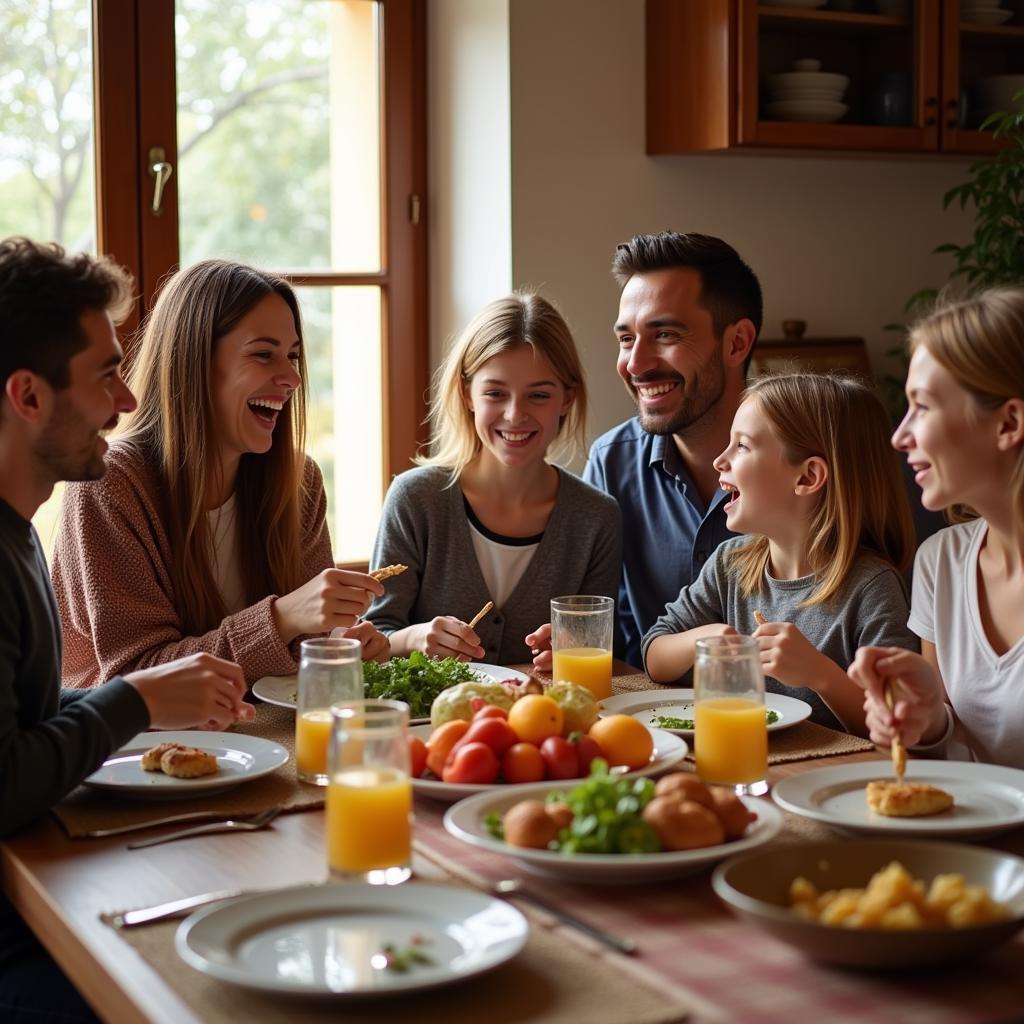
(986, 16)
(795, 92)
(828, 80)
(793, 3)
(820, 111)
(755, 886)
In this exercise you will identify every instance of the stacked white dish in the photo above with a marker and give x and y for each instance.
(984, 12)
(807, 94)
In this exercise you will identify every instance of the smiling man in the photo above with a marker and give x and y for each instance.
(60, 390)
(689, 315)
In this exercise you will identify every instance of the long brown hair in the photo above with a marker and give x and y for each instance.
(980, 341)
(521, 318)
(173, 429)
(863, 505)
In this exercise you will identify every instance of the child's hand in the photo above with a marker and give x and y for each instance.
(539, 642)
(376, 646)
(787, 655)
(919, 712)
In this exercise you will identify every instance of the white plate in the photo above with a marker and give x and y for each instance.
(819, 111)
(239, 759)
(668, 750)
(679, 704)
(465, 822)
(281, 690)
(987, 798)
(322, 940)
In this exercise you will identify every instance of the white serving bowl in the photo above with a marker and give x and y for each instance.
(800, 93)
(820, 111)
(794, 3)
(997, 92)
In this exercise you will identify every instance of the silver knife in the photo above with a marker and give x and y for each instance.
(163, 911)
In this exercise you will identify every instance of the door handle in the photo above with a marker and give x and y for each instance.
(160, 170)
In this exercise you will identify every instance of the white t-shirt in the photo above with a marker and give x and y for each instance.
(986, 691)
(503, 560)
(221, 522)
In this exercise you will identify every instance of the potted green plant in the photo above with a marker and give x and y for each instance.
(995, 253)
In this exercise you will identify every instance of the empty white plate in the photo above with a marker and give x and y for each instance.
(329, 940)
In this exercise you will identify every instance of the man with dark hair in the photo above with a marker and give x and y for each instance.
(62, 388)
(689, 314)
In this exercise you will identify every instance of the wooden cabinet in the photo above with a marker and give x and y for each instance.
(919, 75)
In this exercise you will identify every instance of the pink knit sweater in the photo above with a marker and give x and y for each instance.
(113, 584)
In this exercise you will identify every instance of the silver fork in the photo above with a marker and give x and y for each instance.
(258, 821)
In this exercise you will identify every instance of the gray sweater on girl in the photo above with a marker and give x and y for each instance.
(870, 608)
(424, 526)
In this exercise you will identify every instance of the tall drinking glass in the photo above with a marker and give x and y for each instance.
(730, 727)
(581, 642)
(369, 796)
(330, 670)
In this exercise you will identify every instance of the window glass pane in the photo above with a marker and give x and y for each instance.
(46, 139)
(342, 332)
(46, 117)
(279, 132)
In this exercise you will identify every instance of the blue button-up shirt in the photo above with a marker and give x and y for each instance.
(667, 531)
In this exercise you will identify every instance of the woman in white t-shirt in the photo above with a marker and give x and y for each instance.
(963, 435)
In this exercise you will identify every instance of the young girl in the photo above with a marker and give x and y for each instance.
(486, 517)
(963, 435)
(814, 483)
(208, 531)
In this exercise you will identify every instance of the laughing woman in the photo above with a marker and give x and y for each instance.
(209, 531)
(486, 517)
(963, 436)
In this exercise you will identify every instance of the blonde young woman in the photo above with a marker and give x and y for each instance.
(963, 436)
(486, 517)
(208, 532)
(814, 484)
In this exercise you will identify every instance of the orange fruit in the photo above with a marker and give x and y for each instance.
(623, 740)
(535, 717)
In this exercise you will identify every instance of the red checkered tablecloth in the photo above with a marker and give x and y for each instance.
(690, 942)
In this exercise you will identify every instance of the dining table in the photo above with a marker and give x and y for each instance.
(694, 960)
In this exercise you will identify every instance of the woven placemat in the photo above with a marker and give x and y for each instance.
(87, 809)
(803, 742)
(552, 981)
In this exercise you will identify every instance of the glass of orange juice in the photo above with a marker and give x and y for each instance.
(369, 795)
(730, 728)
(581, 642)
(330, 670)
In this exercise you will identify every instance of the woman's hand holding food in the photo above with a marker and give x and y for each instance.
(918, 714)
(442, 637)
(200, 690)
(376, 646)
(539, 642)
(335, 598)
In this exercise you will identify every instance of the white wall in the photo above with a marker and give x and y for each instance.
(839, 242)
(469, 166)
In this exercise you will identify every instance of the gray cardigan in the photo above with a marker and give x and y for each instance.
(424, 525)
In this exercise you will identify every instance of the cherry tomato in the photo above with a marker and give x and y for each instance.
(417, 756)
(586, 750)
(490, 711)
(559, 758)
(441, 741)
(495, 732)
(522, 763)
(473, 763)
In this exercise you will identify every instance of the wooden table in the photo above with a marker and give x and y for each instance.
(60, 886)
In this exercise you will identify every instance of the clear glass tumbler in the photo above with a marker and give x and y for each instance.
(369, 796)
(330, 670)
(730, 726)
(581, 642)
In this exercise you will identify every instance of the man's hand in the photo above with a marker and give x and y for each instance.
(200, 691)
(918, 714)
(539, 642)
(333, 599)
